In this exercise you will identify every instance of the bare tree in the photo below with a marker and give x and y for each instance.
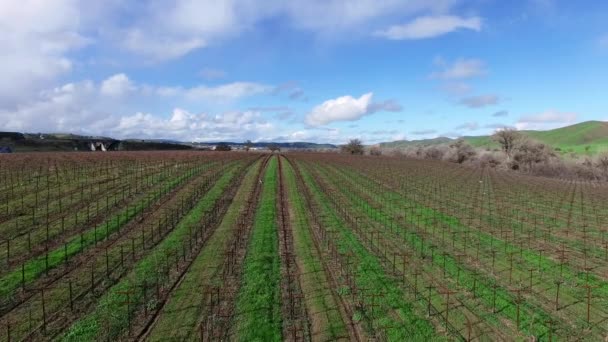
(530, 153)
(248, 145)
(274, 147)
(602, 163)
(223, 147)
(354, 146)
(507, 138)
(461, 151)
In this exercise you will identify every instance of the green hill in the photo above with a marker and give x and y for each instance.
(415, 143)
(586, 137)
(576, 138)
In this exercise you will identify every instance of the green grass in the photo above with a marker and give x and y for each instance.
(180, 315)
(532, 314)
(110, 317)
(258, 304)
(394, 313)
(326, 318)
(484, 289)
(100, 211)
(35, 267)
(590, 137)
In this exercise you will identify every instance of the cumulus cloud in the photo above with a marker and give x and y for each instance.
(186, 126)
(348, 108)
(547, 119)
(73, 107)
(226, 92)
(101, 109)
(480, 101)
(319, 134)
(222, 93)
(429, 27)
(117, 85)
(175, 28)
(460, 69)
(40, 37)
(36, 37)
(344, 108)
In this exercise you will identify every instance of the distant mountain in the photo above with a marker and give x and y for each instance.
(49, 142)
(584, 137)
(54, 142)
(283, 145)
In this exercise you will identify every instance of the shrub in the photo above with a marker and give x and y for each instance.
(375, 151)
(354, 146)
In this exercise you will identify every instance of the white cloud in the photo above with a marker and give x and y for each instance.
(545, 120)
(186, 126)
(480, 101)
(323, 16)
(348, 108)
(321, 135)
(460, 69)
(226, 92)
(344, 108)
(162, 47)
(168, 29)
(100, 109)
(429, 27)
(73, 107)
(117, 85)
(222, 93)
(35, 37)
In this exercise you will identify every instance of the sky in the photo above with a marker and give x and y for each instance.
(301, 70)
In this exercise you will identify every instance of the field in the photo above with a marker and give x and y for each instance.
(191, 246)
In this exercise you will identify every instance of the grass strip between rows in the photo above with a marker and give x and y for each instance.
(111, 313)
(180, 315)
(327, 323)
(533, 317)
(258, 305)
(371, 275)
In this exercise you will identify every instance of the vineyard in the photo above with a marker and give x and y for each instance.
(210, 246)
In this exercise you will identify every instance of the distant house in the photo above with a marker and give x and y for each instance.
(5, 149)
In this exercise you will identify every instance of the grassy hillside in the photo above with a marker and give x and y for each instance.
(586, 137)
(577, 137)
(412, 143)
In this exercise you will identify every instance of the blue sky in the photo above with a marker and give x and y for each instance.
(301, 70)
